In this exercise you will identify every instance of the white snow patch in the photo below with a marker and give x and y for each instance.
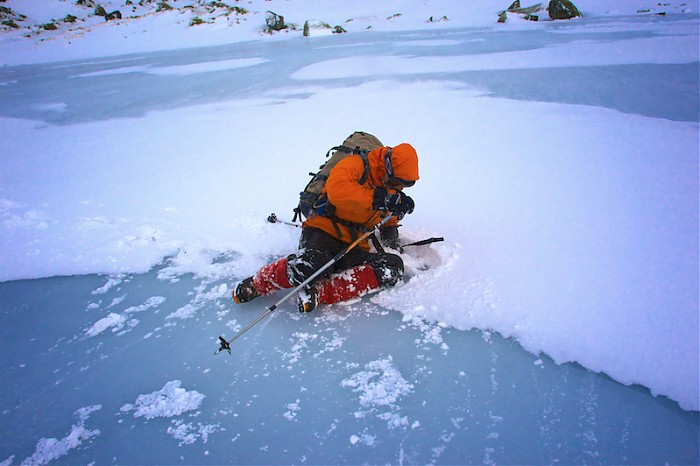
(363, 439)
(113, 320)
(111, 283)
(50, 449)
(380, 386)
(188, 433)
(171, 400)
(292, 410)
(118, 321)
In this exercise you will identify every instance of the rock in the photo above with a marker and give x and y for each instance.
(525, 13)
(113, 15)
(274, 22)
(314, 24)
(8, 17)
(527, 10)
(562, 9)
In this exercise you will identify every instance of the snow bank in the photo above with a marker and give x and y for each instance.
(558, 243)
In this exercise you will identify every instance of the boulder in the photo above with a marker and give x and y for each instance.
(274, 22)
(523, 12)
(113, 15)
(562, 9)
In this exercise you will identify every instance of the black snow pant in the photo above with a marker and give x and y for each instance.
(317, 248)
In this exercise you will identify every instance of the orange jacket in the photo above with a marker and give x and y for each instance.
(352, 200)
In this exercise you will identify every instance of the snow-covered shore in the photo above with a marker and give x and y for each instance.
(143, 28)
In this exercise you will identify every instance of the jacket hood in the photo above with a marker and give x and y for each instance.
(404, 160)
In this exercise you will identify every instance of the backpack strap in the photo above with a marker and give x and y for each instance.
(347, 150)
(355, 228)
(365, 161)
(363, 153)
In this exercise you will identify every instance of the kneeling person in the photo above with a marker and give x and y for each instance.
(356, 203)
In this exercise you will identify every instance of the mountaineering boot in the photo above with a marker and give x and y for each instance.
(267, 280)
(307, 299)
(245, 291)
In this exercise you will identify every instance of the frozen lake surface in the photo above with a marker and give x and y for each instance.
(131, 85)
(351, 385)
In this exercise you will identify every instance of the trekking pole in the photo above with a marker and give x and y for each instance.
(335, 259)
(273, 219)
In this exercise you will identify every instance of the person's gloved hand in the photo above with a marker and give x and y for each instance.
(395, 202)
(390, 238)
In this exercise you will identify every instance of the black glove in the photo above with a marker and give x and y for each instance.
(390, 238)
(397, 202)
